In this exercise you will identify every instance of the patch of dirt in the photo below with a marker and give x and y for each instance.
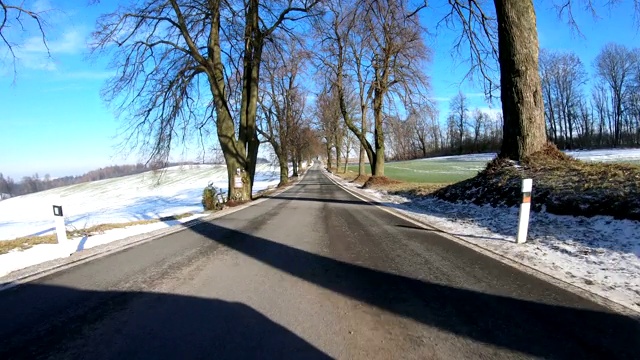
(413, 189)
(348, 176)
(561, 185)
(234, 203)
(361, 179)
(378, 181)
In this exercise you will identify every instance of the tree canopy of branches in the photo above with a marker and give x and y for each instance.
(332, 129)
(562, 78)
(282, 103)
(619, 69)
(186, 65)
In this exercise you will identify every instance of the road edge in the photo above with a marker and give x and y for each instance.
(575, 289)
(38, 271)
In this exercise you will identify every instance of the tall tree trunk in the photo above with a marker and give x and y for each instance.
(294, 164)
(233, 165)
(552, 118)
(284, 169)
(617, 119)
(328, 148)
(346, 163)
(240, 153)
(461, 139)
(520, 88)
(570, 126)
(378, 166)
(362, 171)
(299, 162)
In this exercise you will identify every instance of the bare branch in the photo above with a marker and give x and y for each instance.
(15, 12)
(478, 38)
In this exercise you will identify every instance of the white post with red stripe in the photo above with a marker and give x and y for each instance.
(525, 209)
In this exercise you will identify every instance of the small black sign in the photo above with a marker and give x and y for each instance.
(57, 210)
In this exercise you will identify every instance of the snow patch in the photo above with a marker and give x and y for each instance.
(604, 155)
(176, 190)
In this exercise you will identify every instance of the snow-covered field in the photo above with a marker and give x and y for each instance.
(598, 254)
(605, 155)
(145, 196)
(136, 197)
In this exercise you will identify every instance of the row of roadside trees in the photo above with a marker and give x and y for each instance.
(228, 68)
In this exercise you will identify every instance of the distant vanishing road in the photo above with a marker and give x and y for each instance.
(312, 273)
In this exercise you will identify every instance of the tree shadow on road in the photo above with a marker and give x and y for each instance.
(533, 328)
(499, 220)
(139, 325)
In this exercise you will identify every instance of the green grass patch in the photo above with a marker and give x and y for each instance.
(430, 171)
(26, 242)
(442, 171)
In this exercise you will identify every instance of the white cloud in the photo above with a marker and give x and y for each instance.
(439, 98)
(71, 42)
(34, 54)
(492, 111)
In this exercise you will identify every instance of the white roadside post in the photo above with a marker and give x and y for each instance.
(525, 209)
(61, 230)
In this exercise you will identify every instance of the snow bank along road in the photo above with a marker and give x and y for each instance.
(311, 273)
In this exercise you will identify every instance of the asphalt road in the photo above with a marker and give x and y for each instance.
(312, 273)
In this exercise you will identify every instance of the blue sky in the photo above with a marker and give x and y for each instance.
(53, 120)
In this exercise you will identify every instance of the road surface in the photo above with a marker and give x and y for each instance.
(312, 273)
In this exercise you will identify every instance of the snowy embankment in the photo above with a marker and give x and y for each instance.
(604, 155)
(144, 196)
(137, 197)
(598, 254)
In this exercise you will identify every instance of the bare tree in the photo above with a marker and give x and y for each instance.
(334, 32)
(349, 141)
(299, 137)
(459, 110)
(509, 36)
(4, 185)
(547, 58)
(175, 56)
(600, 101)
(393, 56)
(478, 124)
(426, 130)
(520, 89)
(14, 15)
(328, 113)
(283, 101)
(310, 145)
(398, 49)
(562, 78)
(615, 65)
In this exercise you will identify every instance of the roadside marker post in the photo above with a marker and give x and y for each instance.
(61, 230)
(525, 209)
